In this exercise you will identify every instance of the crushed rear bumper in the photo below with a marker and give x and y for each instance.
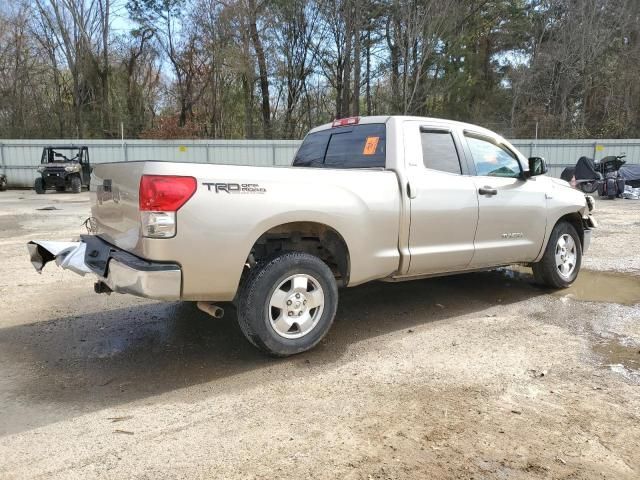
(119, 270)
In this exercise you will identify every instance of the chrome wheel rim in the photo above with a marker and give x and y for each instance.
(295, 306)
(566, 255)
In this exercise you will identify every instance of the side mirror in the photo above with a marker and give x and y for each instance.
(537, 166)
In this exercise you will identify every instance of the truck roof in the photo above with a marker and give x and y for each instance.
(386, 118)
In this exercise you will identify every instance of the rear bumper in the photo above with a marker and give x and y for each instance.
(119, 270)
(162, 284)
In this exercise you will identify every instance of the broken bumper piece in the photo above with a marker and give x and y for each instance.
(119, 270)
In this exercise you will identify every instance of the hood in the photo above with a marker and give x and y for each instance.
(557, 182)
(60, 164)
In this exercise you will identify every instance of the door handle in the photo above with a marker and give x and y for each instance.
(486, 190)
(410, 193)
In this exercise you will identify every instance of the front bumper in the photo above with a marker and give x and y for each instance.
(54, 179)
(588, 223)
(587, 240)
(119, 270)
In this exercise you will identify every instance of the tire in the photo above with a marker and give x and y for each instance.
(611, 189)
(76, 185)
(3, 185)
(548, 271)
(60, 189)
(588, 187)
(278, 281)
(39, 186)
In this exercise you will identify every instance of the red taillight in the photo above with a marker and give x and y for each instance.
(165, 193)
(344, 122)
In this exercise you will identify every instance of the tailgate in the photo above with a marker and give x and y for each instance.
(114, 203)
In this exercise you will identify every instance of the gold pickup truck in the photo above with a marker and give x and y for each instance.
(374, 198)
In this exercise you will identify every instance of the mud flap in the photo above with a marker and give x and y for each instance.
(67, 255)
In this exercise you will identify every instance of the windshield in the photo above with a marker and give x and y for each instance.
(62, 155)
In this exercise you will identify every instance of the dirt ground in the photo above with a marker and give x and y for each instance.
(476, 376)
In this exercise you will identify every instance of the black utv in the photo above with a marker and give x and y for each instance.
(62, 167)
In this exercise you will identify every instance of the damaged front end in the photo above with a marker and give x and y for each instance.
(117, 270)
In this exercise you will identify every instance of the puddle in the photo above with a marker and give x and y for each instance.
(593, 286)
(604, 287)
(621, 359)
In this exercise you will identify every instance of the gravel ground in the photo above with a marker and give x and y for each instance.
(474, 376)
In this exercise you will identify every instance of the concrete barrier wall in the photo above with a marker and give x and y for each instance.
(19, 159)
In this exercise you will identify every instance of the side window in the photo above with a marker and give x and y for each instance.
(492, 160)
(439, 151)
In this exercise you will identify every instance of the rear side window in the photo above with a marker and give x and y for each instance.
(439, 151)
(358, 146)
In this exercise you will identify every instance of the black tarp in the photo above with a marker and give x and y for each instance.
(631, 175)
(586, 170)
(568, 173)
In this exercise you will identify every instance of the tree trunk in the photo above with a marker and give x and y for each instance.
(346, 73)
(248, 100)
(104, 71)
(394, 59)
(368, 72)
(262, 68)
(355, 109)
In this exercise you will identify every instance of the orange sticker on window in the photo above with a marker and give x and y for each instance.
(370, 146)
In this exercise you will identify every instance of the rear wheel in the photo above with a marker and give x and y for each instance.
(39, 185)
(76, 185)
(3, 185)
(562, 258)
(287, 304)
(611, 188)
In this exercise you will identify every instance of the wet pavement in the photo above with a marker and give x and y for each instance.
(591, 286)
(485, 375)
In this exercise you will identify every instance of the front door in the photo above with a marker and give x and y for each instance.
(512, 211)
(443, 201)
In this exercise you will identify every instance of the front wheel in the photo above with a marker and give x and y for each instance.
(3, 185)
(39, 186)
(588, 187)
(76, 185)
(562, 258)
(287, 303)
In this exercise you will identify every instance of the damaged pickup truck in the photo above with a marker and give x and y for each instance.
(375, 198)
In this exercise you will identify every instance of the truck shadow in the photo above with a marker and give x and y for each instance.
(75, 365)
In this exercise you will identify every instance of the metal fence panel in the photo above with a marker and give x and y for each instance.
(20, 158)
(562, 153)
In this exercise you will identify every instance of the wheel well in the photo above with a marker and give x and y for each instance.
(310, 237)
(575, 219)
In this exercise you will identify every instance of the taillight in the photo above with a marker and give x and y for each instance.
(165, 193)
(159, 198)
(345, 122)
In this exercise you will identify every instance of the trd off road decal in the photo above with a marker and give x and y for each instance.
(243, 188)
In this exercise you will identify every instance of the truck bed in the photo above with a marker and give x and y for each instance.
(234, 205)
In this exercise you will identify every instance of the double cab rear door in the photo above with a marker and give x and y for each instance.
(470, 206)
